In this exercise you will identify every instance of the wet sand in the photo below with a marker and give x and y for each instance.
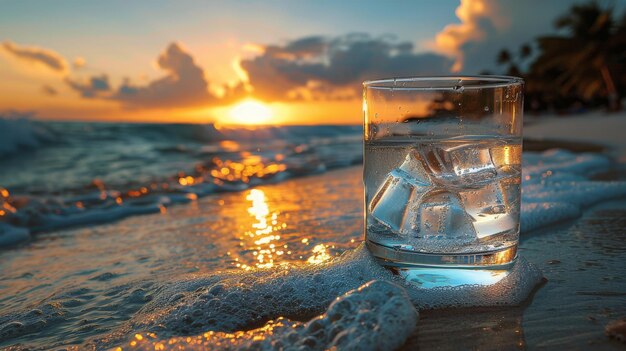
(313, 219)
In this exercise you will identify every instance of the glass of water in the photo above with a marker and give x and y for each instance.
(442, 170)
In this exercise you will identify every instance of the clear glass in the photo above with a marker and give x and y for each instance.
(442, 170)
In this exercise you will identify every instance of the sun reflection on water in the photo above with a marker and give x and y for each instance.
(263, 238)
(266, 241)
(320, 254)
(251, 166)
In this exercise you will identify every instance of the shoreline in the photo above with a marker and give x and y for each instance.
(573, 233)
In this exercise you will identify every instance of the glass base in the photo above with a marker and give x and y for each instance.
(400, 258)
(437, 277)
(435, 270)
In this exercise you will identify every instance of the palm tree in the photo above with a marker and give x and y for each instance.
(583, 62)
(525, 51)
(504, 57)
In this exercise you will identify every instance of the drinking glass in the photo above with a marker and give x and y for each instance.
(442, 170)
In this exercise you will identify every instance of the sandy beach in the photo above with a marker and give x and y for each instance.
(317, 218)
(311, 176)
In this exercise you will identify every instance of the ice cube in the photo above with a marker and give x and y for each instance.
(460, 165)
(491, 210)
(400, 195)
(413, 166)
(441, 215)
(511, 192)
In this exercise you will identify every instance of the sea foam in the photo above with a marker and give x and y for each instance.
(244, 301)
(376, 316)
(556, 186)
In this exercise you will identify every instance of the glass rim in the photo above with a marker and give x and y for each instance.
(421, 83)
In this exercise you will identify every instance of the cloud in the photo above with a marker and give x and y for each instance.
(478, 18)
(96, 86)
(48, 58)
(79, 62)
(49, 90)
(308, 68)
(487, 26)
(332, 68)
(184, 84)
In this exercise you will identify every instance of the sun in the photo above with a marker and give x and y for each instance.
(250, 112)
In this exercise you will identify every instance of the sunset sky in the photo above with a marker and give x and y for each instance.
(282, 62)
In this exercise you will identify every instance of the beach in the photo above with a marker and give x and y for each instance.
(277, 250)
(312, 176)
(581, 260)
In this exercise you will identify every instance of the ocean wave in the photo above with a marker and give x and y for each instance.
(99, 203)
(556, 187)
(98, 172)
(18, 132)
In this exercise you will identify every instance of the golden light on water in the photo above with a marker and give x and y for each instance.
(250, 166)
(267, 241)
(251, 112)
(320, 254)
(209, 340)
(263, 235)
(229, 145)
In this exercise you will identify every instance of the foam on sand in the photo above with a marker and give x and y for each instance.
(556, 186)
(376, 316)
(229, 303)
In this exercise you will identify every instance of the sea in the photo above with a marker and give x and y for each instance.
(60, 174)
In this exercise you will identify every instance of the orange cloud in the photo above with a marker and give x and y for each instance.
(184, 85)
(477, 18)
(45, 57)
(49, 90)
(79, 62)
